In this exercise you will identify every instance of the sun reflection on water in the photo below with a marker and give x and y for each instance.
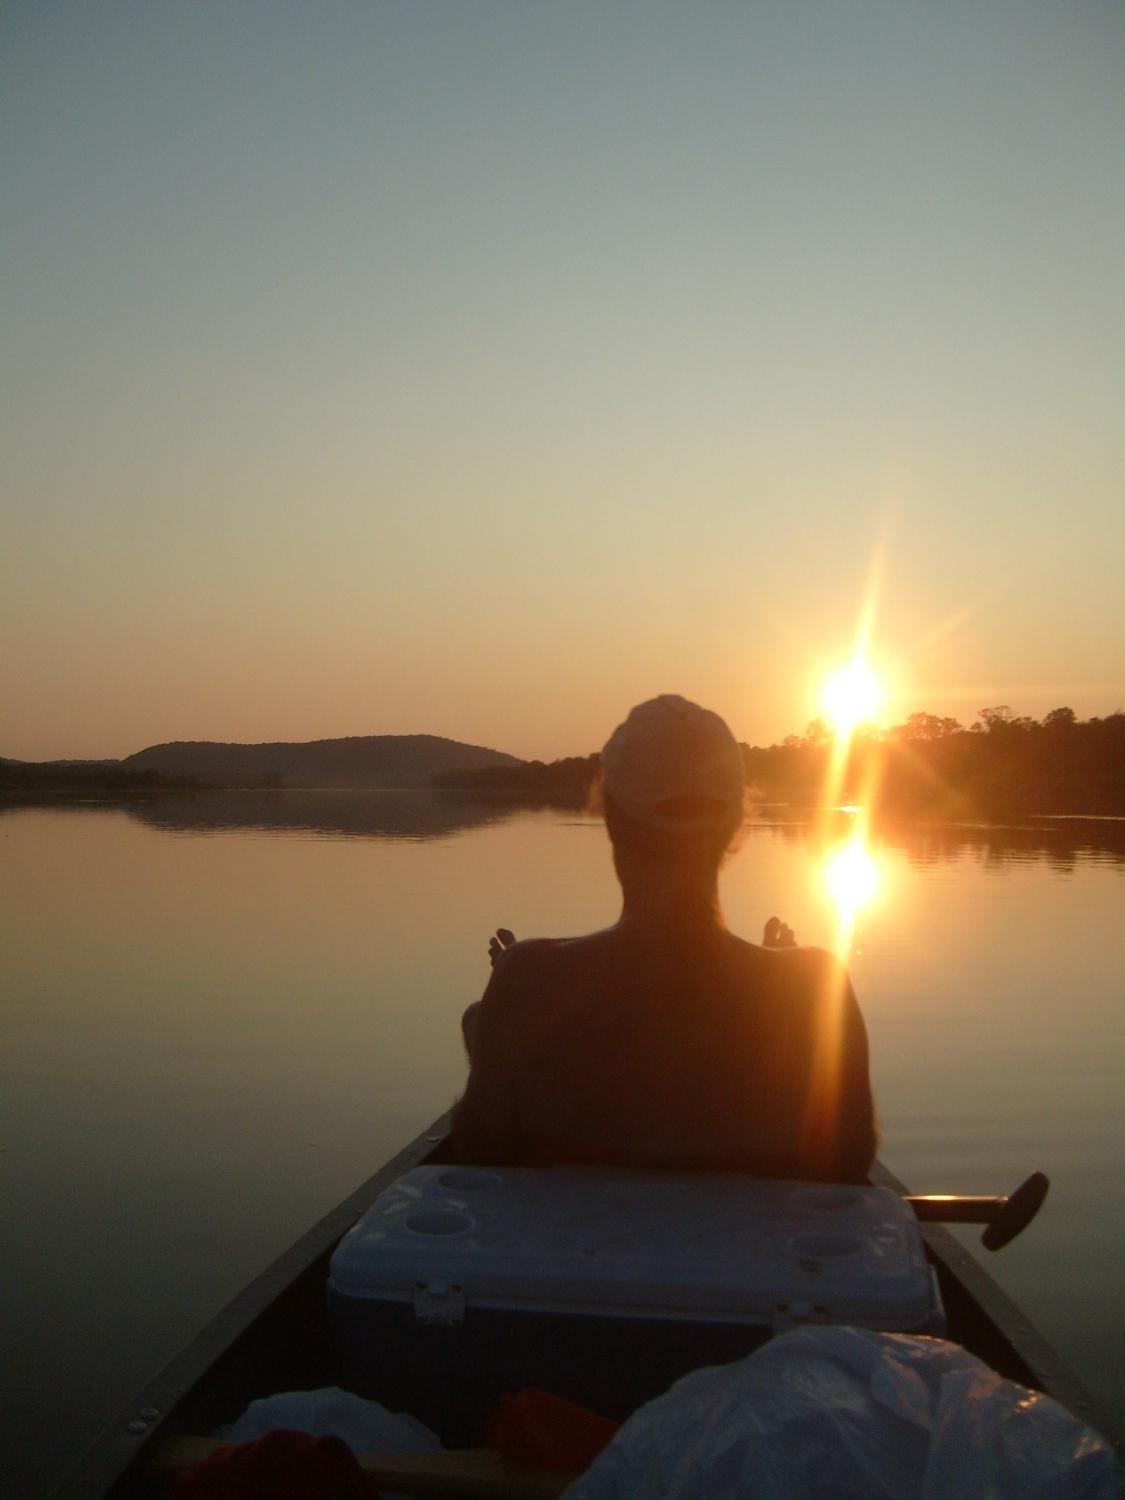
(853, 876)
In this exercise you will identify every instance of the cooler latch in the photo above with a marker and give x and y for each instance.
(796, 1314)
(438, 1302)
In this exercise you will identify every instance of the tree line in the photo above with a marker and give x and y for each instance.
(1003, 763)
(87, 776)
(567, 782)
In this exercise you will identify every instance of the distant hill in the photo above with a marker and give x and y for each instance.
(376, 760)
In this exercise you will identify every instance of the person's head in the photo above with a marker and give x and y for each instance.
(672, 785)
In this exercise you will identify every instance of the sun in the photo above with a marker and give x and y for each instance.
(852, 695)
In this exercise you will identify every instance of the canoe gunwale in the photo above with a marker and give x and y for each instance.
(1016, 1348)
(119, 1450)
(113, 1464)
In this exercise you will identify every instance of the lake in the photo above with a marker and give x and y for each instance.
(222, 1010)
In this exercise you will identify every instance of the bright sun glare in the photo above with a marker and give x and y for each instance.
(852, 695)
(852, 876)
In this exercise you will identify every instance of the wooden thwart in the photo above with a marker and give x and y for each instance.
(457, 1474)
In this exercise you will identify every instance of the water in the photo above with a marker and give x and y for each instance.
(221, 1012)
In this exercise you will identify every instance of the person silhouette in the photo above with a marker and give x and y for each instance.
(665, 1040)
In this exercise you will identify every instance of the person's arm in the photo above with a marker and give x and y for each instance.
(485, 1120)
(840, 1135)
(858, 1137)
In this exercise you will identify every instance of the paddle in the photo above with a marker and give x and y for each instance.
(457, 1474)
(1005, 1217)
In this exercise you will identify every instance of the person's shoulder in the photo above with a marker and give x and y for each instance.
(815, 973)
(536, 965)
(520, 963)
(796, 960)
(540, 950)
(527, 951)
(810, 960)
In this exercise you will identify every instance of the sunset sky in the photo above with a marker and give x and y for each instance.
(480, 368)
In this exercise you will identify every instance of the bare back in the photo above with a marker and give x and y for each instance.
(708, 1053)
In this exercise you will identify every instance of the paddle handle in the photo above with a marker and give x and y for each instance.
(1004, 1217)
(1017, 1213)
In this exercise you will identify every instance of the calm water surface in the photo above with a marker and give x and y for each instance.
(221, 1012)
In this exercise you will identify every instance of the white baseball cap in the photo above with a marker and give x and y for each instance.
(669, 749)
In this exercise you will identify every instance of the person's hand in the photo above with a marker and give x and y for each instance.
(778, 934)
(499, 945)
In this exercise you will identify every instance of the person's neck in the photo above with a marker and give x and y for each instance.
(671, 903)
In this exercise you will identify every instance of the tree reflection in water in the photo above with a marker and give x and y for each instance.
(1056, 841)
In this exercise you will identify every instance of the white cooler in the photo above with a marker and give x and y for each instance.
(460, 1284)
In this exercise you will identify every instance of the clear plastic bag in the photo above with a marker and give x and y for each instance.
(847, 1414)
(365, 1426)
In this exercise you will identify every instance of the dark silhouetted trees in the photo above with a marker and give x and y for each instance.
(925, 727)
(567, 782)
(929, 765)
(1005, 763)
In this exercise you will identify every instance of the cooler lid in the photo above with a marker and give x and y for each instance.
(588, 1239)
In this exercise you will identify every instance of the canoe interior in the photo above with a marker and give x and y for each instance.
(274, 1337)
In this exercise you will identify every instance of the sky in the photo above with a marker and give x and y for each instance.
(483, 368)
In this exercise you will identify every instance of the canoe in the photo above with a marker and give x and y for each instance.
(274, 1336)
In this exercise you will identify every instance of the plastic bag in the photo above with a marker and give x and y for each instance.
(365, 1426)
(847, 1414)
